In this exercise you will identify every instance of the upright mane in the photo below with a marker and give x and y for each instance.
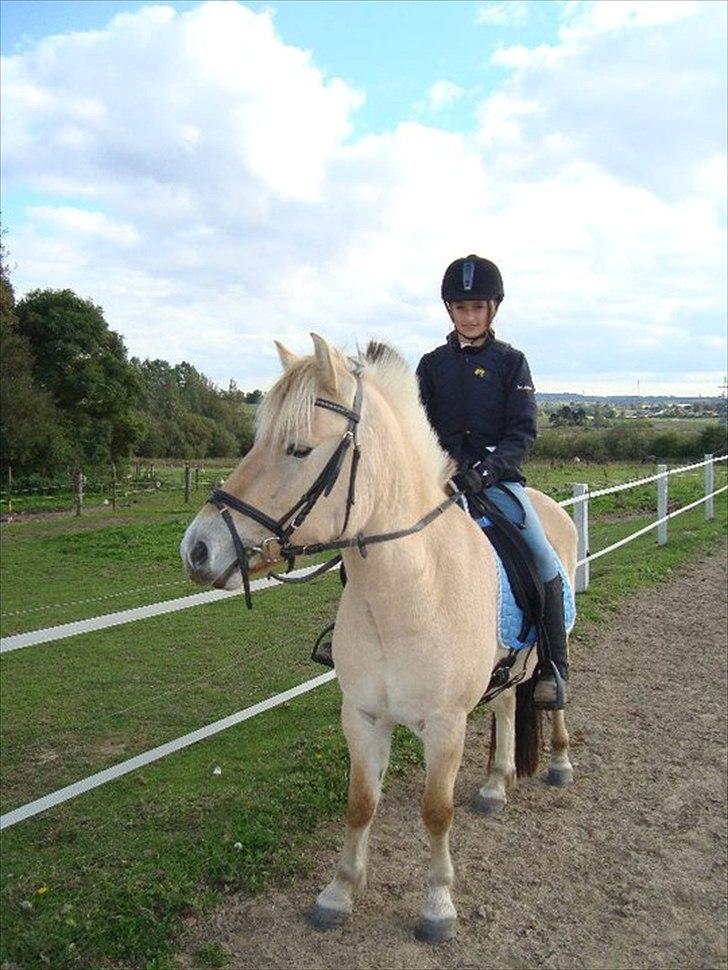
(398, 384)
(285, 413)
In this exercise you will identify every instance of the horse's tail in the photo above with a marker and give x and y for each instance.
(528, 731)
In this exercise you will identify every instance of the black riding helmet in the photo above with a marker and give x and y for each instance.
(472, 278)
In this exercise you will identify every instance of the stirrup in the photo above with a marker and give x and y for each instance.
(550, 692)
(321, 653)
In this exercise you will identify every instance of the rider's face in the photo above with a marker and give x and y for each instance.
(472, 318)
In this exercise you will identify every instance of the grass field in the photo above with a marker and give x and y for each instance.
(107, 877)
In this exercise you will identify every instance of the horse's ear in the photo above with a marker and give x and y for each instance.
(325, 361)
(288, 358)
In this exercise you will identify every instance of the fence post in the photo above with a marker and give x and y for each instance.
(662, 504)
(581, 521)
(197, 477)
(113, 485)
(79, 491)
(187, 481)
(10, 488)
(709, 487)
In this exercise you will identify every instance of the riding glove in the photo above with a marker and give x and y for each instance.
(472, 480)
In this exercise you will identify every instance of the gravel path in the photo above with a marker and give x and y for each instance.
(627, 868)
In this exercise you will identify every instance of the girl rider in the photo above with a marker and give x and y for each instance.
(480, 400)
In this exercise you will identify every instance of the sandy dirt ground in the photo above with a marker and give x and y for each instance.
(626, 868)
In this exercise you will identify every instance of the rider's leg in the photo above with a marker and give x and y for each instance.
(546, 689)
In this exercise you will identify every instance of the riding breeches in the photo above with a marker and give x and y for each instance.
(533, 532)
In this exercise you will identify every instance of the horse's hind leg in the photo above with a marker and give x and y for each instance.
(560, 770)
(491, 798)
(443, 754)
(369, 742)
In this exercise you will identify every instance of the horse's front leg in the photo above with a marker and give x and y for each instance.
(444, 740)
(491, 798)
(369, 741)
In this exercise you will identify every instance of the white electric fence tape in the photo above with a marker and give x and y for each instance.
(124, 767)
(19, 640)
(126, 616)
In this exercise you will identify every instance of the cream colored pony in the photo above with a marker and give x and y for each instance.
(415, 636)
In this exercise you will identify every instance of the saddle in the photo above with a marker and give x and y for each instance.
(516, 557)
(522, 573)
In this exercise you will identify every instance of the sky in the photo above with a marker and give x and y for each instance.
(219, 174)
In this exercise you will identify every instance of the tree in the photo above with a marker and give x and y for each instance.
(568, 415)
(83, 366)
(186, 415)
(32, 437)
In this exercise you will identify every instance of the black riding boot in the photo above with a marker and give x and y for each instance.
(548, 692)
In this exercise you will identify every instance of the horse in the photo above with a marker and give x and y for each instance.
(415, 637)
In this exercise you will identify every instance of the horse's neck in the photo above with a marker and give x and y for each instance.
(419, 559)
(415, 569)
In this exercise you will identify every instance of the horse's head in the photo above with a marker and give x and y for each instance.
(295, 484)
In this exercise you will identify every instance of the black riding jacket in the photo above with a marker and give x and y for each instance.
(482, 404)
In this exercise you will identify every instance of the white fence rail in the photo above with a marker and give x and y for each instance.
(580, 500)
(582, 495)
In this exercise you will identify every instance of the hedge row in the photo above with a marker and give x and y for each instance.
(631, 443)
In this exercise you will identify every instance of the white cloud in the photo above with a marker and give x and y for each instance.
(84, 224)
(215, 82)
(504, 12)
(587, 19)
(227, 201)
(440, 94)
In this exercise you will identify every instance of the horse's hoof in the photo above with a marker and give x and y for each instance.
(436, 930)
(488, 806)
(323, 918)
(559, 777)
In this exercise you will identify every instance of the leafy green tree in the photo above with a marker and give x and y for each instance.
(32, 438)
(714, 440)
(186, 416)
(83, 366)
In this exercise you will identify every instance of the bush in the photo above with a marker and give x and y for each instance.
(630, 441)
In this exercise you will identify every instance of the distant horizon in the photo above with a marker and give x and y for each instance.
(635, 397)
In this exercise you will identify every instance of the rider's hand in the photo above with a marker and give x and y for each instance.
(471, 480)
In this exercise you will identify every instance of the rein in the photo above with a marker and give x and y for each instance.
(284, 527)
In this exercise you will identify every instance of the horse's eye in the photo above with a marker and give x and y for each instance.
(298, 452)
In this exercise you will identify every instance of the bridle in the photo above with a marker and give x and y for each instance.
(283, 528)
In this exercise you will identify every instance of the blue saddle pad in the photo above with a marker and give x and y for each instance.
(510, 616)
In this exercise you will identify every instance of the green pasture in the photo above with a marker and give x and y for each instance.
(107, 878)
(136, 486)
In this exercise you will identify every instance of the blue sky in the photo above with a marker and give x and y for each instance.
(392, 50)
(219, 174)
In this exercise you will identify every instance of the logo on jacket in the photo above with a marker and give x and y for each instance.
(479, 372)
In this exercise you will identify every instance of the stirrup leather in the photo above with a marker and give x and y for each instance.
(321, 653)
